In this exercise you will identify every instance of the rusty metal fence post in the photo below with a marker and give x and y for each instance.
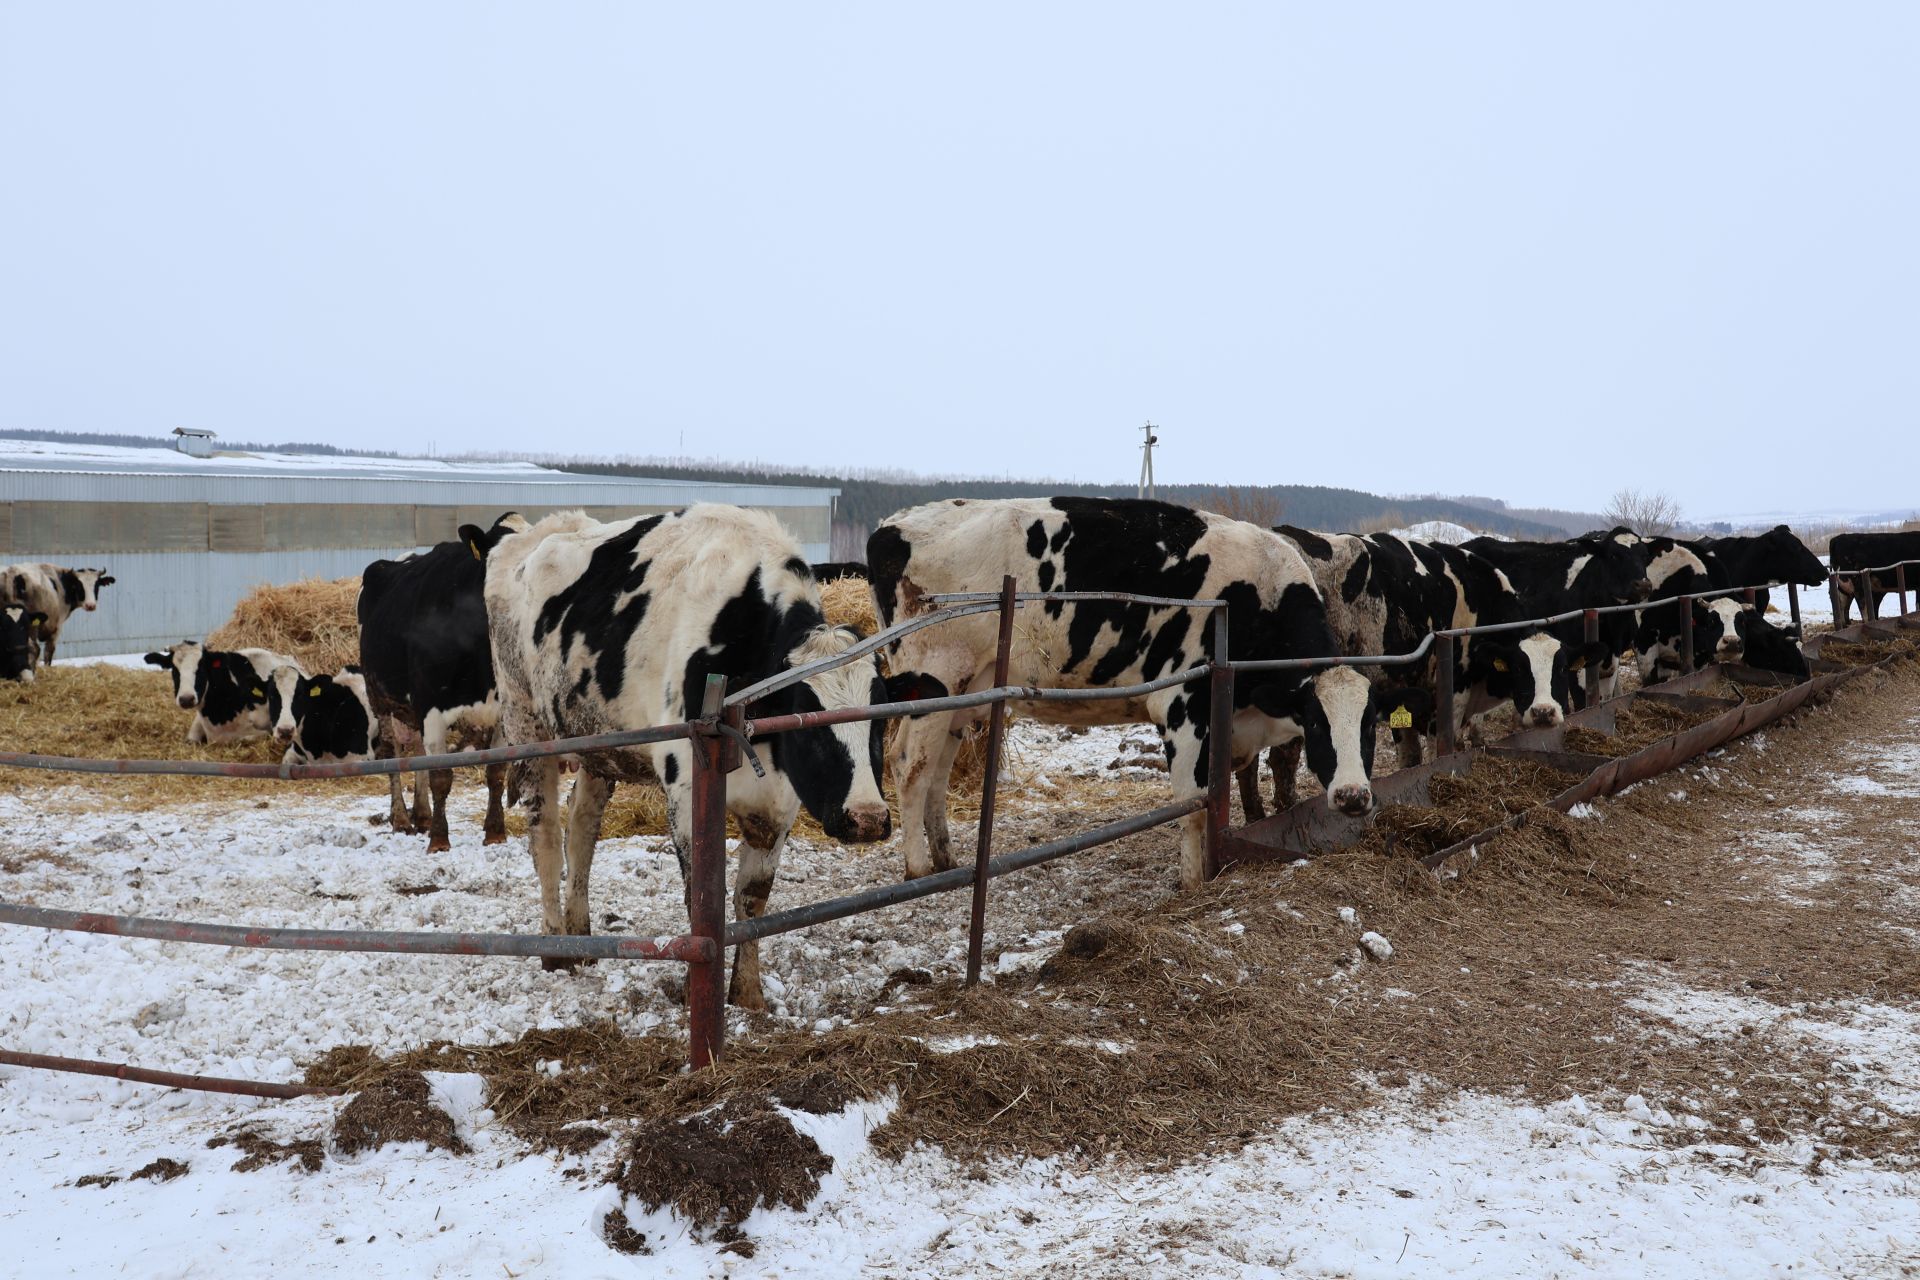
(1793, 604)
(707, 884)
(1866, 597)
(1686, 633)
(1219, 744)
(1443, 695)
(1900, 584)
(990, 784)
(1590, 632)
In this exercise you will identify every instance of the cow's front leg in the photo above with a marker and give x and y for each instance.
(543, 842)
(584, 809)
(916, 750)
(46, 647)
(433, 741)
(939, 787)
(1251, 809)
(386, 749)
(762, 839)
(1187, 745)
(496, 823)
(1284, 762)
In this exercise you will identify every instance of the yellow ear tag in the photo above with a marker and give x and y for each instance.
(475, 548)
(258, 692)
(314, 692)
(1400, 719)
(33, 624)
(1499, 664)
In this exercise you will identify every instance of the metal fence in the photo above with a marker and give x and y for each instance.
(720, 738)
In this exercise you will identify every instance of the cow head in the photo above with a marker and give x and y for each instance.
(332, 718)
(481, 541)
(1720, 629)
(81, 587)
(285, 703)
(1772, 648)
(1334, 712)
(1535, 673)
(835, 769)
(1613, 569)
(182, 661)
(17, 627)
(1781, 557)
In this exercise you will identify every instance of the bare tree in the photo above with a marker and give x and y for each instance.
(1651, 515)
(1252, 503)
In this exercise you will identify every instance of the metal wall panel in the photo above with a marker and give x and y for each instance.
(60, 528)
(236, 528)
(298, 526)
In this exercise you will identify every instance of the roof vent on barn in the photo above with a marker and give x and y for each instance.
(194, 441)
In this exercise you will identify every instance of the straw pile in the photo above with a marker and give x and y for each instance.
(314, 621)
(848, 602)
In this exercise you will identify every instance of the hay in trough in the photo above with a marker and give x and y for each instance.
(313, 621)
(1489, 793)
(848, 602)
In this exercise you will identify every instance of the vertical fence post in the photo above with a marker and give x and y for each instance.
(1590, 632)
(707, 885)
(1866, 597)
(1900, 584)
(1686, 634)
(1443, 697)
(1793, 604)
(989, 786)
(1219, 745)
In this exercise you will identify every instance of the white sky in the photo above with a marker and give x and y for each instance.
(1527, 250)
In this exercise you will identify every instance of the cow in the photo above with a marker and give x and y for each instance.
(230, 691)
(17, 629)
(1852, 552)
(1386, 593)
(331, 717)
(1772, 648)
(1672, 569)
(1759, 559)
(828, 570)
(603, 627)
(429, 672)
(1121, 545)
(56, 592)
(1595, 570)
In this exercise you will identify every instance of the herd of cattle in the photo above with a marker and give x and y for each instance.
(520, 633)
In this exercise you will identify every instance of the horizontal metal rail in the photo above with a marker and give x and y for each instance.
(170, 1079)
(351, 768)
(888, 895)
(1075, 597)
(682, 947)
(1373, 660)
(965, 701)
(878, 640)
(1885, 568)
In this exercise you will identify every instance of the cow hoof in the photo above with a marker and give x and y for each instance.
(438, 844)
(754, 1001)
(495, 837)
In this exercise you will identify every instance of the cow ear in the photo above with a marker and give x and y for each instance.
(1280, 701)
(1592, 653)
(105, 580)
(480, 541)
(914, 686)
(159, 659)
(36, 619)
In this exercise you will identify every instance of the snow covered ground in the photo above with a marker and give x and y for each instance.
(1427, 1183)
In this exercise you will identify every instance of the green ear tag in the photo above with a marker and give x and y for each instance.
(1400, 719)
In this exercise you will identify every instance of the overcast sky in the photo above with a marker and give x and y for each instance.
(1529, 250)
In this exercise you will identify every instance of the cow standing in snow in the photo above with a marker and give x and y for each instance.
(602, 627)
(1125, 545)
(429, 672)
(55, 592)
(230, 691)
(1852, 552)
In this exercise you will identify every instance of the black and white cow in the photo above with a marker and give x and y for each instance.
(17, 629)
(1758, 559)
(56, 592)
(1772, 648)
(329, 716)
(1123, 545)
(230, 691)
(603, 627)
(428, 669)
(1673, 569)
(1385, 594)
(1851, 552)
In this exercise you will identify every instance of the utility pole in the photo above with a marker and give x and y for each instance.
(1146, 461)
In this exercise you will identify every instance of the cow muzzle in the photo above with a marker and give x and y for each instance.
(187, 701)
(1642, 589)
(1729, 651)
(283, 733)
(90, 606)
(1543, 715)
(863, 824)
(1355, 800)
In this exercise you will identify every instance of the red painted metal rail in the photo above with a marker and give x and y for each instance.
(170, 1079)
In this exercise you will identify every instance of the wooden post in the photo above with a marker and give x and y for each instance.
(1443, 696)
(1866, 597)
(707, 886)
(1900, 584)
(996, 731)
(1219, 745)
(1793, 604)
(1590, 632)
(1686, 634)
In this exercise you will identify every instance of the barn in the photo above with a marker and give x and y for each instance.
(186, 532)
